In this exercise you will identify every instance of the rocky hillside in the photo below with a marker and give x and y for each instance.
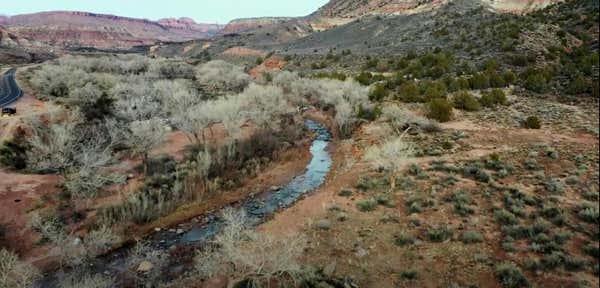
(450, 25)
(246, 24)
(359, 8)
(82, 29)
(187, 25)
(342, 24)
(519, 6)
(14, 49)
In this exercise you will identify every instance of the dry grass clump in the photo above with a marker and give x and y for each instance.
(15, 273)
(73, 251)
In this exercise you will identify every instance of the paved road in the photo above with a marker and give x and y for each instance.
(9, 91)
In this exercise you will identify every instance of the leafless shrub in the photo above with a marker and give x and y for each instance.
(347, 97)
(68, 249)
(121, 64)
(71, 250)
(52, 81)
(99, 241)
(85, 179)
(136, 99)
(52, 145)
(86, 281)
(401, 119)
(263, 105)
(392, 155)
(146, 135)
(246, 254)
(220, 75)
(168, 69)
(62, 147)
(15, 273)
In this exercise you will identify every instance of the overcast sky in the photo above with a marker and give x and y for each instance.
(207, 11)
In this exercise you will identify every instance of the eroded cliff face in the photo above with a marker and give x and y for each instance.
(520, 6)
(358, 8)
(83, 29)
(14, 49)
(247, 24)
(188, 24)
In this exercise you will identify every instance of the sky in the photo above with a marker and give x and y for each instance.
(202, 11)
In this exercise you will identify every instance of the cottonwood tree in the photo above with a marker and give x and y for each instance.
(52, 145)
(392, 155)
(263, 105)
(219, 74)
(58, 81)
(243, 253)
(227, 111)
(136, 100)
(146, 135)
(175, 95)
(192, 120)
(85, 179)
(345, 118)
(347, 97)
(77, 154)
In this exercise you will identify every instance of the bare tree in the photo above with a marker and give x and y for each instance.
(136, 101)
(58, 81)
(345, 118)
(86, 179)
(219, 74)
(246, 254)
(391, 155)
(263, 104)
(52, 145)
(146, 135)
(348, 97)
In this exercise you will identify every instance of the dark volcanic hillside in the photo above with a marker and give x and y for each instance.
(82, 29)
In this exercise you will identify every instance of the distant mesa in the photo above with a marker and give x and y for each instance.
(84, 29)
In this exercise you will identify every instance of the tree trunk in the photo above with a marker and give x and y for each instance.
(145, 159)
